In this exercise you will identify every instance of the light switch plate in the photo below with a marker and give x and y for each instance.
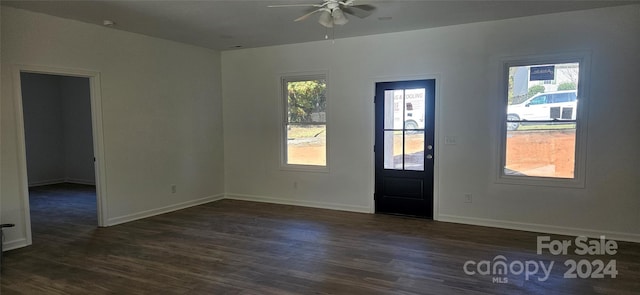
(450, 140)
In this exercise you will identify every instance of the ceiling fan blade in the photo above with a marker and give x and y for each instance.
(366, 7)
(307, 15)
(295, 5)
(360, 11)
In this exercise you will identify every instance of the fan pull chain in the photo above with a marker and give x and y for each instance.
(333, 34)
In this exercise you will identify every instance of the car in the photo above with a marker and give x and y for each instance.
(546, 106)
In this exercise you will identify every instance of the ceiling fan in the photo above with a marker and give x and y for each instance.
(333, 12)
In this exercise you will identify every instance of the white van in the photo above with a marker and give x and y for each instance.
(414, 112)
(560, 105)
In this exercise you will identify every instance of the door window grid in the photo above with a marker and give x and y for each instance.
(404, 125)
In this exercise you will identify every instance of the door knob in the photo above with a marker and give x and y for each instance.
(429, 147)
(429, 156)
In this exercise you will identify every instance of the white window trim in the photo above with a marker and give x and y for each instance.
(283, 120)
(579, 180)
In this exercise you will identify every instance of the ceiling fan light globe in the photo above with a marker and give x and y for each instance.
(338, 17)
(325, 19)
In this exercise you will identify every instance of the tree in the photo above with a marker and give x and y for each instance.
(305, 98)
(510, 95)
(567, 86)
(571, 73)
(533, 90)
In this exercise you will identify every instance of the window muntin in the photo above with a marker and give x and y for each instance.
(540, 138)
(305, 123)
(404, 129)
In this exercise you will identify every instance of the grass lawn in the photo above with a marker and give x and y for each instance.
(296, 132)
(525, 127)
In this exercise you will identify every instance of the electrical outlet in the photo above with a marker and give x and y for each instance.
(468, 198)
(174, 188)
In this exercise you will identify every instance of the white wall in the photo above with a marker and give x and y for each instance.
(58, 135)
(78, 137)
(466, 61)
(161, 110)
(44, 132)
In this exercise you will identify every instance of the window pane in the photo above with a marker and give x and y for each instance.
(414, 108)
(393, 157)
(541, 150)
(305, 121)
(561, 97)
(307, 101)
(393, 112)
(414, 151)
(307, 145)
(524, 82)
(538, 100)
(541, 93)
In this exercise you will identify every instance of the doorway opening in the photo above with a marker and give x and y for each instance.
(61, 138)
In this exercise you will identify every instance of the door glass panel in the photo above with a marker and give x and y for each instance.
(404, 117)
(393, 112)
(393, 158)
(414, 108)
(414, 151)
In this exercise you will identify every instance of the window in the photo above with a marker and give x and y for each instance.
(564, 97)
(541, 142)
(305, 121)
(404, 130)
(538, 100)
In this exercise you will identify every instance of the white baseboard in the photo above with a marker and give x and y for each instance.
(80, 181)
(15, 244)
(46, 182)
(323, 205)
(542, 228)
(162, 210)
(62, 180)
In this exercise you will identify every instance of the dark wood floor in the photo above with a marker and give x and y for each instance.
(237, 247)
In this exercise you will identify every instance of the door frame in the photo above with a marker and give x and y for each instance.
(97, 132)
(437, 131)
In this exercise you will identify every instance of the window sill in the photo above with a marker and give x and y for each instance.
(304, 168)
(541, 181)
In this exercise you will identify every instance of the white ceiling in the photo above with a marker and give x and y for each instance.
(226, 24)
